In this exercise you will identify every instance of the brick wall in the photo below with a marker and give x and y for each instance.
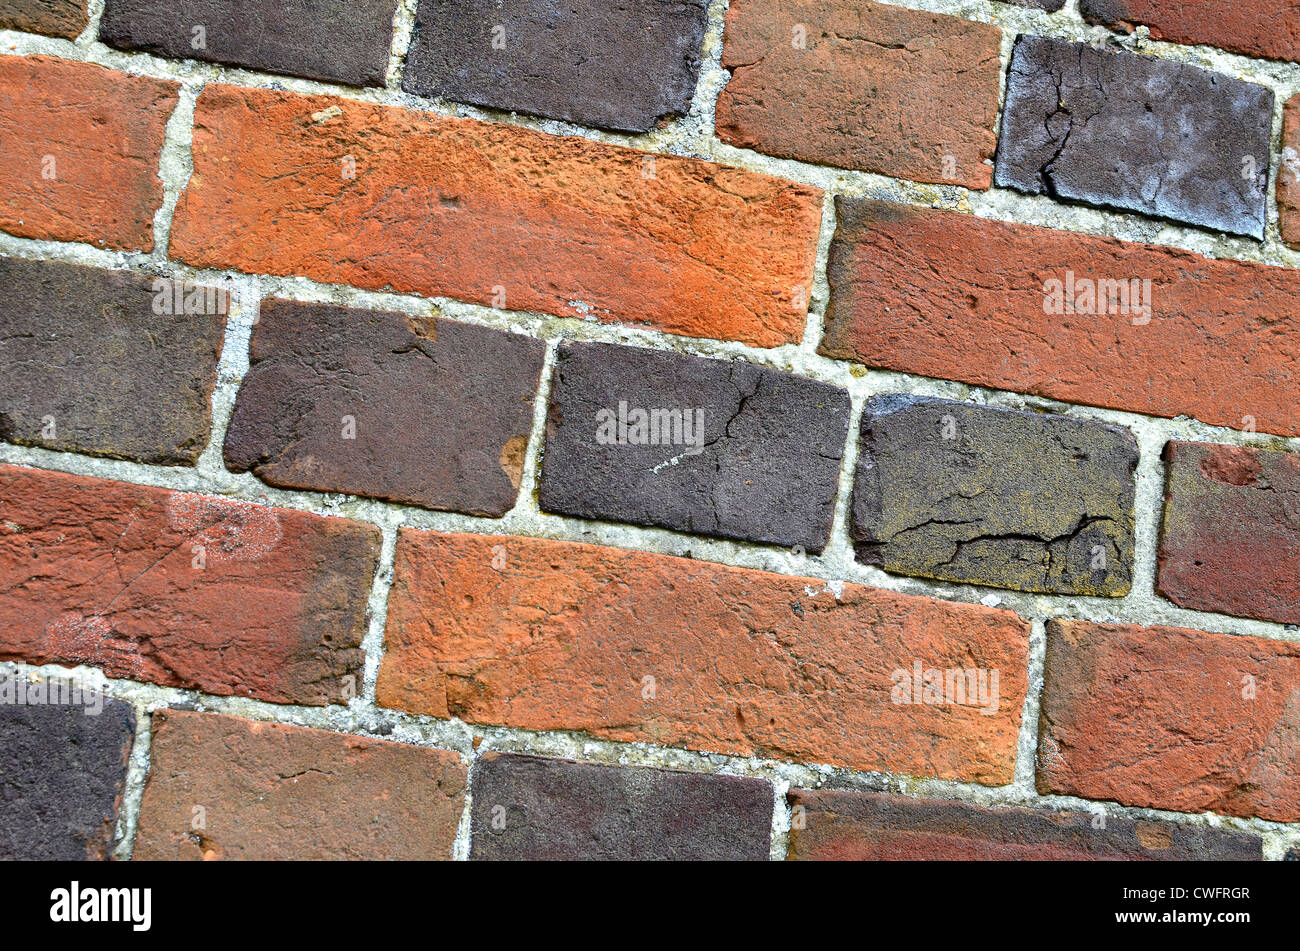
(768, 429)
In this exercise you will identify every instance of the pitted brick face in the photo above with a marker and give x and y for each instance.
(1231, 532)
(1136, 133)
(417, 410)
(218, 595)
(107, 362)
(344, 41)
(535, 809)
(624, 66)
(997, 497)
(861, 826)
(862, 85)
(64, 18)
(62, 772)
(696, 445)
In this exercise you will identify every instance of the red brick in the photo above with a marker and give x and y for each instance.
(1288, 174)
(1231, 536)
(549, 635)
(948, 295)
(900, 92)
(1171, 719)
(1268, 28)
(269, 791)
(98, 134)
(467, 209)
(860, 826)
(182, 590)
(65, 18)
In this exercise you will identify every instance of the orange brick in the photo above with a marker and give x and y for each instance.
(494, 214)
(637, 647)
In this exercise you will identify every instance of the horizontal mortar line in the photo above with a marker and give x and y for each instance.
(421, 730)
(529, 525)
(1189, 238)
(792, 357)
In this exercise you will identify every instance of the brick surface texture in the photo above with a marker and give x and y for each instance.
(272, 791)
(526, 807)
(343, 41)
(219, 595)
(89, 365)
(623, 66)
(864, 85)
(428, 412)
(649, 430)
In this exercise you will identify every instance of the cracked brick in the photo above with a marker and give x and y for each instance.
(62, 773)
(90, 366)
(644, 648)
(625, 66)
(212, 594)
(1269, 28)
(81, 151)
(952, 296)
(998, 497)
(577, 228)
(1231, 535)
(64, 18)
(866, 86)
(535, 809)
(417, 410)
(1135, 133)
(726, 448)
(223, 787)
(863, 826)
(1167, 718)
(344, 41)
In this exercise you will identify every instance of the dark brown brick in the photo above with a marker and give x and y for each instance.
(88, 365)
(622, 66)
(1028, 501)
(62, 770)
(345, 41)
(1231, 536)
(873, 826)
(527, 807)
(761, 464)
(862, 85)
(223, 787)
(65, 18)
(1136, 133)
(218, 595)
(416, 410)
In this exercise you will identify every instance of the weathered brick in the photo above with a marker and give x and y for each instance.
(268, 791)
(636, 647)
(62, 773)
(573, 227)
(87, 365)
(81, 150)
(622, 66)
(1231, 536)
(65, 18)
(1136, 133)
(948, 295)
(1171, 719)
(1028, 501)
(862, 85)
(863, 826)
(713, 447)
(345, 41)
(182, 590)
(417, 410)
(1288, 175)
(527, 807)
(1269, 28)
